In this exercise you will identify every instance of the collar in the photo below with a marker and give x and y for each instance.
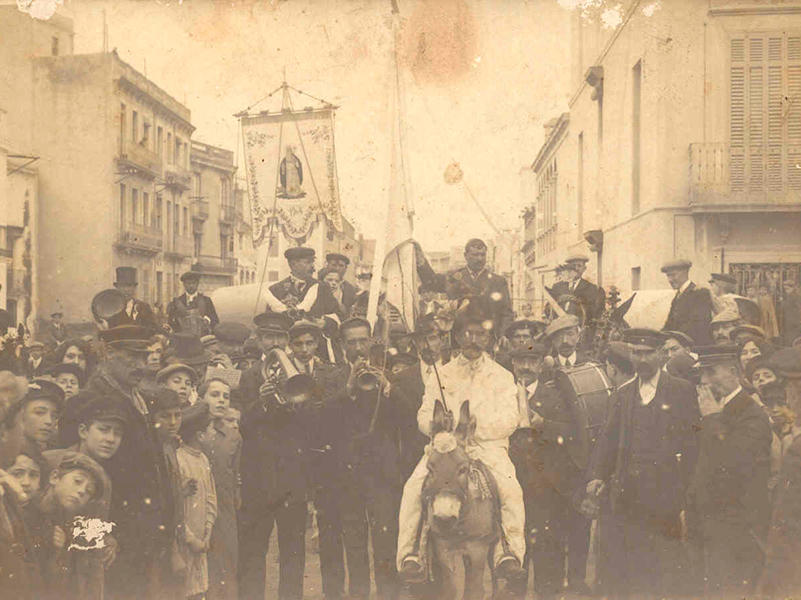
(572, 358)
(653, 381)
(297, 281)
(684, 286)
(728, 398)
(531, 388)
(190, 297)
(476, 275)
(464, 362)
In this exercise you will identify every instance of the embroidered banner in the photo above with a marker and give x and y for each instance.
(292, 172)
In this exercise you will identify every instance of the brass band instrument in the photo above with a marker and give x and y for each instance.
(294, 387)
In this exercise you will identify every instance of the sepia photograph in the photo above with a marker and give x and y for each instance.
(400, 299)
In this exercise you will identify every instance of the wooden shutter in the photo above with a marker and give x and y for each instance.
(755, 113)
(775, 109)
(793, 112)
(737, 129)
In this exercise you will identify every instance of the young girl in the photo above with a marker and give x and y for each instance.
(223, 452)
(200, 500)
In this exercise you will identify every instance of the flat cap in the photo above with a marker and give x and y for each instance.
(712, 355)
(749, 330)
(681, 337)
(678, 264)
(102, 407)
(577, 258)
(303, 326)
(72, 461)
(560, 323)
(337, 256)
(299, 253)
(162, 375)
(194, 418)
(160, 398)
(643, 338)
(44, 389)
(535, 349)
(36, 344)
(232, 333)
(724, 277)
(725, 316)
(273, 321)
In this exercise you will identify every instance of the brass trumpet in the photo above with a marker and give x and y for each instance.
(293, 387)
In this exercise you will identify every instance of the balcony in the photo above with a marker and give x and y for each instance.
(722, 179)
(200, 210)
(140, 238)
(221, 265)
(138, 157)
(180, 247)
(177, 176)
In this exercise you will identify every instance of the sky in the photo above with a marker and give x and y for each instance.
(492, 73)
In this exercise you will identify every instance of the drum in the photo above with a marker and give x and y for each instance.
(193, 322)
(587, 391)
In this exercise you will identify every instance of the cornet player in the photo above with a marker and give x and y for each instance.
(276, 465)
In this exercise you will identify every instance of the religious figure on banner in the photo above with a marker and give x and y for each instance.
(291, 175)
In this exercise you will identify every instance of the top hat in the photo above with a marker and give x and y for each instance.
(126, 276)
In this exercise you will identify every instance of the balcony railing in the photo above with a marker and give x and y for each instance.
(722, 176)
(139, 156)
(177, 175)
(219, 264)
(200, 209)
(227, 213)
(140, 237)
(179, 247)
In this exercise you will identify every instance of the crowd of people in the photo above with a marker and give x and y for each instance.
(154, 458)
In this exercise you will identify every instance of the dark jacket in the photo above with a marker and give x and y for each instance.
(677, 445)
(349, 293)
(144, 317)
(178, 308)
(591, 298)
(691, 313)
(325, 304)
(459, 284)
(731, 479)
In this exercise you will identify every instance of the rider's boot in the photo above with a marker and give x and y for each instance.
(509, 568)
(412, 570)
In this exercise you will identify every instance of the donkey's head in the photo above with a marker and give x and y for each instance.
(448, 466)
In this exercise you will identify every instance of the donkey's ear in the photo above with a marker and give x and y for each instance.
(463, 428)
(438, 421)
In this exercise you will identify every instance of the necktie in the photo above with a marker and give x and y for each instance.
(307, 366)
(567, 363)
(130, 308)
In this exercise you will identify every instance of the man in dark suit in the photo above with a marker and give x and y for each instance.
(730, 486)
(691, 309)
(473, 280)
(591, 298)
(639, 472)
(55, 333)
(550, 479)
(301, 292)
(190, 300)
(136, 312)
(563, 335)
(791, 312)
(339, 263)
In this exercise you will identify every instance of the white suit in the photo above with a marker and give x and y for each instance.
(492, 393)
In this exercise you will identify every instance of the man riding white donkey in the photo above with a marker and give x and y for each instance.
(492, 395)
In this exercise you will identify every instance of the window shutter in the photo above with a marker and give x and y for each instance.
(737, 131)
(756, 113)
(775, 117)
(793, 111)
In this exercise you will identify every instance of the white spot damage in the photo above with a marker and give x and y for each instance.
(649, 9)
(446, 506)
(89, 533)
(612, 18)
(39, 9)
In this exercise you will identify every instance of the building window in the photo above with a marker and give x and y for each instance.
(241, 277)
(547, 224)
(146, 135)
(635, 279)
(224, 191)
(159, 140)
(176, 224)
(272, 276)
(196, 186)
(146, 284)
(223, 246)
(134, 126)
(176, 285)
(636, 106)
(169, 218)
(160, 287)
(198, 243)
(177, 150)
(169, 147)
(134, 205)
(168, 290)
(123, 216)
(159, 206)
(580, 188)
(186, 221)
(122, 128)
(54, 45)
(146, 210)
(231, 244)
(273, 250)
(765, 112)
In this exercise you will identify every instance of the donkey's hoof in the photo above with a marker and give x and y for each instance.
(509, 569)
(412, 571)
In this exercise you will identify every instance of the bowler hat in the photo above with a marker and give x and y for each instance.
(560, 323)
(337, 256)
(712, 355)
(193, 274)
(273, 322)
(642, 338)
(187, 349)
(724, 277)
(679, 264)
(299, 253)
(231, 333)
(126, 276)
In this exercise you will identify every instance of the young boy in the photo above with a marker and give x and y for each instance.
(37, 412)
(76, 481)
(200, 510)
(181, 378)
